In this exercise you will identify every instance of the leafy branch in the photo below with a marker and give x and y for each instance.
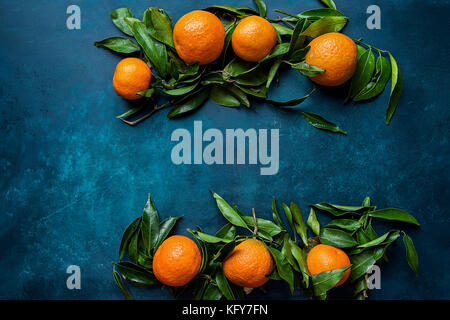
(230, 81)
(352, 231)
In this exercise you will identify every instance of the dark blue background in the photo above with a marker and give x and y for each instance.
(73, 177)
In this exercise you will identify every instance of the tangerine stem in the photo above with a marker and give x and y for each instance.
(135, 122)
(255, 230)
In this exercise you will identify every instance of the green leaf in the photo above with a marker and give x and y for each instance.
(363, 74)
(127, 235)
(265, 225)
(189, 103)
(287, 253)
(375, 242)
(150, 224)
(228, 212)
(320, 13)
(291, 104)
(299, 256)
(313, 223)
(273, 71)
(212, 78)
(181, 91)
(164, 229)
(411, 253)
(324, 281)
(396, 89)
(148, 93)
(337, 238)
(239, 94)
(145, 261)
(299, 54)
(283, 268)
(366, 202)
(229, 29)
(119, 44)
(300, 225)
(118, 280)
(370, 232)
(154, 50)
(277, 51)
(228, 231)
(203, 251)
(346, 224)
(360, 285)
(319, 122)
(288, 214)
(348, 208)
(297, 39)
(237, 67)
(212, 292)
(211, 239)
(361, 263)
(262, 7)
(329, 3)
(328, 208)
(276, 215)
(136, 274)
(362, 237)
(377, 85)
(117, 17)
(307, 70)
(325, 25)
(158, 25)
(131, 111)
(224, 252)
(394, 214)
(259, 92)
(133, 247)
(223, 285)
(231, 9)
(255, 77)
(282, 30)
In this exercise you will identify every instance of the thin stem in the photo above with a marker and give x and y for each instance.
(286, 13)
(368, 45)
(255, 230)
(135, 122)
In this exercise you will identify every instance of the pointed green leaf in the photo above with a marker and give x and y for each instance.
(228, 212)
(394, 214)
(396, 90)
(262, 7)
(313, 223)
(325, 25)
(321, 123)
(127, 235)
(119, 44)
(119, 282)
(337, 238)
(117, 17)
(300, 225)
(411, 253)
(189, 103)
(150, 224)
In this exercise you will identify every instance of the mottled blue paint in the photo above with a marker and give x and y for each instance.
(73, 176)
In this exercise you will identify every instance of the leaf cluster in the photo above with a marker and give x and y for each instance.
(352, 231)
(230, 81)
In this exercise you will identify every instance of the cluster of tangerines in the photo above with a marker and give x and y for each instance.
(177, 261)
(199, 37)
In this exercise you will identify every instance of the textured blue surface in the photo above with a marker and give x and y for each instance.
(73, 177)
